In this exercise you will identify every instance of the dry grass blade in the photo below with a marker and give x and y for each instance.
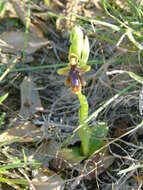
(12, 63)
(141, 102)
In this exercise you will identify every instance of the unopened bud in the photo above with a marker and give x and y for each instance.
(76, 39)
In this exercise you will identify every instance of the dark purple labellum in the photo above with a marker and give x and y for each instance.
(74, 74)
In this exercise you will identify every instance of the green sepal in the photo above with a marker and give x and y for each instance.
(76, 39)
(85, 52)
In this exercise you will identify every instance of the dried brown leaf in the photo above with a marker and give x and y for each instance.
(91, 167)
(96, 167)
(47, 151)
(14, 42)
(23, 133)
(47, 180)
(30, 100)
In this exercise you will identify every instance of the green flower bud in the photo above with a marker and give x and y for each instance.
(76, 39)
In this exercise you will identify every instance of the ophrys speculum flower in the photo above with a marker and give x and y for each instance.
(78, 56)
(74, 74)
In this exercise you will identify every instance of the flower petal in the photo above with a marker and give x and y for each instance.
(64, 71)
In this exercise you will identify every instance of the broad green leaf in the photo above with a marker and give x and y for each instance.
(72, 155)
(98, 136)
(95, 145)
(100, 130)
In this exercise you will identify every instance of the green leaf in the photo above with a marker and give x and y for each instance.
(100, 130)
(72, 155)
(98, 135)
(95, 145)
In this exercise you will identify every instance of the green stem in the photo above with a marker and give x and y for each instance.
(83, 132)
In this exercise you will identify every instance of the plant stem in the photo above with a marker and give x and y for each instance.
(83, 132)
